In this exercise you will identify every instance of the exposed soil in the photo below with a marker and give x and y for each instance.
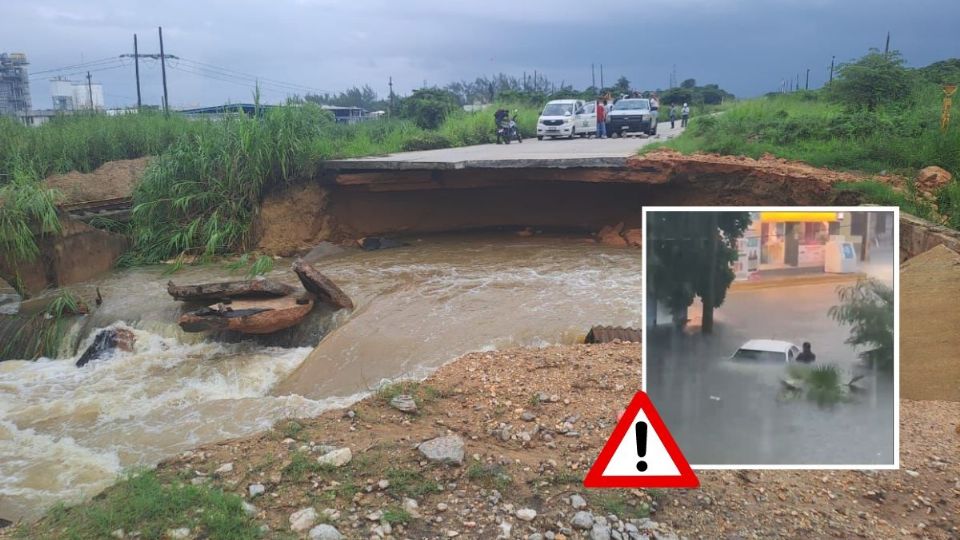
(293, 219)
(112, 180)
(533, 421)
(929, 320)
(670, 162)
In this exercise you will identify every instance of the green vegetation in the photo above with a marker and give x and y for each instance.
(143, 503)
(877, 116)
(42, 334)
(411, 483)
(395, 515)
(492, 476)
(618, 503)
(27, 211)
(867, 307)
(258, 267)
(422, 393)
(821, 384)
(301, 465)
(692, 254)
(200, 193)
(881, 193)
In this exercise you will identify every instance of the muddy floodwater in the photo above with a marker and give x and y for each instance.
(66, 433)
(729, 413)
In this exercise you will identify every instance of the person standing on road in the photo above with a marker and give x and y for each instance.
(673, 116)
(684, 115)
(654, 102)
(806, 356)
(601, 118)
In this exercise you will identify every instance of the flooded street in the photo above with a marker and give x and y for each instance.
(726, 413)
(66, 433)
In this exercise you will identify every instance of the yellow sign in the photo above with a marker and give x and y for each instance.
(948, 90)
(768, 217)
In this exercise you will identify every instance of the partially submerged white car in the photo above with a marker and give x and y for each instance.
(766, 351)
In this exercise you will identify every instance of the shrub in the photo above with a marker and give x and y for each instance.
(428, 107)
(425, 141)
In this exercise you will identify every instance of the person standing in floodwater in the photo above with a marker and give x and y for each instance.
(673, 116)
(684, 115)
(806, 356)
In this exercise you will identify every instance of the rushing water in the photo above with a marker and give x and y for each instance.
(66, 433)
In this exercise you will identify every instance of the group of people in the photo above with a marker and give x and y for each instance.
(604, 106)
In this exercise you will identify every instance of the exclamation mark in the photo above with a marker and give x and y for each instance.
(641, 445)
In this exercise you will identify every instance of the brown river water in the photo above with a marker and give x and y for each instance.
(66, 433)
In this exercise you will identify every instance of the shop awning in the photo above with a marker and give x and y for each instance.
(768, 217)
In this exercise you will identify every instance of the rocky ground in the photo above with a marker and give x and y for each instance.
(495, 445)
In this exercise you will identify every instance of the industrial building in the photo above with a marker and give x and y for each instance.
(14, 85)
(76, 96)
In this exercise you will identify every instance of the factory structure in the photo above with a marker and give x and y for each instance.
(14, 85)
(68, 96)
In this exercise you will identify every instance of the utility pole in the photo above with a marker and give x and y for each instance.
(601, 77)
(391, 95)
(90, 91)
(593, 76)
(806, 85)
(534, 80)
(831, 68)
(886, 48)
(136, 68)
(163, 71)
(136, 63)
(798, 82)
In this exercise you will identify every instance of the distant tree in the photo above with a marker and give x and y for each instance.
(428, 107)
(622, 86)
(689, 83)
(691, 255)
(867, 307)
(365, 98)
(873, 80)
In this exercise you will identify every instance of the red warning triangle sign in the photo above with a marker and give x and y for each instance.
(641, 453)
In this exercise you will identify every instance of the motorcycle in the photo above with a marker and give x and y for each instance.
(509, 130)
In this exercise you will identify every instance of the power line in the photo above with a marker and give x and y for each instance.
(83, 65)
(251, 76)
(84, 71)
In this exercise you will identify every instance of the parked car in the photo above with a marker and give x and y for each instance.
(766, 351)
(632, 115)
(559, 119)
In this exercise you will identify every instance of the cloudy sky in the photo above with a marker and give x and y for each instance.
(296, 46)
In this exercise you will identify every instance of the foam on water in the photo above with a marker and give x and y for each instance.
(66, 433)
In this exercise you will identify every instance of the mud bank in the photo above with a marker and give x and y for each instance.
(346, 204)
(78, 253)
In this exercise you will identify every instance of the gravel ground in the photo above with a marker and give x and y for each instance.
(511, 435)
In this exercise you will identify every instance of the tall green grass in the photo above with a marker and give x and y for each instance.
(83, 142)
(808, 127)
(201, 192)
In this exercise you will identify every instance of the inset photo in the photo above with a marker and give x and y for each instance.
(771, 334)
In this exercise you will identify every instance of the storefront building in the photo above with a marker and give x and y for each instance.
(781, 242)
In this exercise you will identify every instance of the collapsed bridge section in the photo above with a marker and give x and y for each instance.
(420, 192)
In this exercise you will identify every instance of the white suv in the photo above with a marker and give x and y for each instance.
(559, 119)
